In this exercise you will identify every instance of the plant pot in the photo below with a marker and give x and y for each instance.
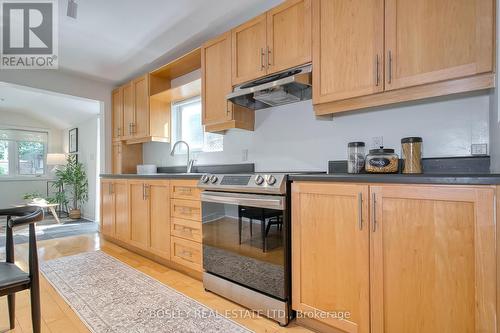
(75, 214)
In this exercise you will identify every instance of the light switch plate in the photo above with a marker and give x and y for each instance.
(479, 149)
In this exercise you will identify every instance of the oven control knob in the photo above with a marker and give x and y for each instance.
(271, 180)
(214, 179)
(205, 179)
(259, 180)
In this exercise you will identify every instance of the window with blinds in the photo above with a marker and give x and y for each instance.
(22, 152)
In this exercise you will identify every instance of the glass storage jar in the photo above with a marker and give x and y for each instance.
(355, 157)
(411, 154)
(382, 161)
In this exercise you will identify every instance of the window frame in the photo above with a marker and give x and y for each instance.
(13, 155)
(176, 108)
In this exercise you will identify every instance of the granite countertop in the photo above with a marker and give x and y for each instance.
(446, 179)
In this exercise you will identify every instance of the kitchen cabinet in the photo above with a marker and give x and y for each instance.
(159, 196)
(140, 126)
(117, 112)
(289, 35)
(139, 213)
(433, 259)
(348, 49)
(330, 253)
(249, 47)
(272, 42)
(430, 41)
(128, 110)
(218, 113)
(399, 50)
(107, 208)
(432, 256)
(114, 202)
(185, 213)
(150, 216)
(125, 157)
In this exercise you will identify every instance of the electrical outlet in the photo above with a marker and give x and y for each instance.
(479, 149)
(377, 142)
(244, 155)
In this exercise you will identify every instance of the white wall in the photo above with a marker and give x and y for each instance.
(88, 141)
(12, 191)
(291, 138)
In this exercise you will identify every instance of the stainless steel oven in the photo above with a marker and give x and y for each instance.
(246, 241)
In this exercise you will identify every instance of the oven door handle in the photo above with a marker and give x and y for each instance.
(251, 200)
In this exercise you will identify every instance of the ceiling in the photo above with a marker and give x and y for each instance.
(61, 111)
(114, 40)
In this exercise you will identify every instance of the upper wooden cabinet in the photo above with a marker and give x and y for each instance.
(128, 110)
(429, 41)
(433, 263)
(218, 113)
(348, 49)
(330, 247)
(289, 35)
(137, 117)
(140, 127)
(378, 52)
(272, 42)
(249, 50)
(117, 113)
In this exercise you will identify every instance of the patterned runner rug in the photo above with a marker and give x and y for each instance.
(110, 296)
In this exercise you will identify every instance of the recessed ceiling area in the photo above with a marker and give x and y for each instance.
(61, 111)
(114, 40)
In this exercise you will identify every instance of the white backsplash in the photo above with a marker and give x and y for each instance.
(291, 138)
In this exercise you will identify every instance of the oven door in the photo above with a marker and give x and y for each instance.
(243, 239)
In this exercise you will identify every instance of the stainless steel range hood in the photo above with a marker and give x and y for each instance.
(290, 86)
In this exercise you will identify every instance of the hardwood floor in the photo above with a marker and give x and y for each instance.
(57, 316)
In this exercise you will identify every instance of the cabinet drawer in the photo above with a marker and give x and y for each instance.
(185, 189)
(186, 253)
(187, 229)
(185, 209)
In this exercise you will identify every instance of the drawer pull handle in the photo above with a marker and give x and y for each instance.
(186, 253)
(185, 210)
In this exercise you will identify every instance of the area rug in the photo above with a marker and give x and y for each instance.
(50, 229)
(110, 296)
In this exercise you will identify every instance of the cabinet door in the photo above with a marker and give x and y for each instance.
(128, 110)
(107, 208)
(429, 41)
(122, 225)
(433, 259)
(348, 49)
(141, 107)
(330, 248)
(289, 35)
(139, 214)
(158, 193)
(216, 79)
(117, 126)
(249, 50)
(117, 158)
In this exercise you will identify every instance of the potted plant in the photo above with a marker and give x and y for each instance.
(74, 176)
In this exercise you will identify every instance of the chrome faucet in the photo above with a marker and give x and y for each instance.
(190, 162)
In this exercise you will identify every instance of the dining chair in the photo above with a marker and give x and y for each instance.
(12, 278)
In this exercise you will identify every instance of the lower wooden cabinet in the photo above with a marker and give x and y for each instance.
(114, 202)
(159, 214)
(330, 253)
(430, 265)
(149, 216)
(433, 263)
